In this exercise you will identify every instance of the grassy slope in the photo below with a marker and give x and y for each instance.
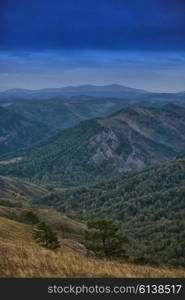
(16, 198)
(65, 226)
(18, 191)
(22, 257)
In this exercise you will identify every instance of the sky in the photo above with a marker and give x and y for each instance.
(55, 43)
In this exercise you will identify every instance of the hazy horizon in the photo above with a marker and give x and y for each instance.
(5, 89)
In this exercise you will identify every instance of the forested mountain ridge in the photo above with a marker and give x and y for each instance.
(129, 139)
(17, 132)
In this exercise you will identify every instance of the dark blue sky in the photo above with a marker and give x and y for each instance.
(61, 42)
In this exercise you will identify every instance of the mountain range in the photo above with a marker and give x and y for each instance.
(129, 139)
(113, 90)
(76, 154)
(101, 91)
(66, 107)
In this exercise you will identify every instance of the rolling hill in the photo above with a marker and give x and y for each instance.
(66, 227)
(14, 192)
(16, 200)
(17, 132)
(129, 139)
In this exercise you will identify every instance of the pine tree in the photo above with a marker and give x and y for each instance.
(31, 218)
(46, 237)
(103, 240)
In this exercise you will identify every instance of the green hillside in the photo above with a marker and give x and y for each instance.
(150, 204)
(15, 192)
(61, 160)
(17, 132)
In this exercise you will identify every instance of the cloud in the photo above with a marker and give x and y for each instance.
(49, 43)
(99, 24)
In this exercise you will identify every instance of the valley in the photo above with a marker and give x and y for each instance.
(69, 156)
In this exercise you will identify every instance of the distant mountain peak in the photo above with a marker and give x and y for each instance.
(112, 90)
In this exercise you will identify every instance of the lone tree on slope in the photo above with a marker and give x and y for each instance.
(103, 240)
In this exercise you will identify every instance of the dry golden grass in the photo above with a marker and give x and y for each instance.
(20, 256)
(58, 221)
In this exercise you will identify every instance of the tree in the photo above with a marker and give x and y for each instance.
(46, 237)
(31, 218)
(103, 240)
